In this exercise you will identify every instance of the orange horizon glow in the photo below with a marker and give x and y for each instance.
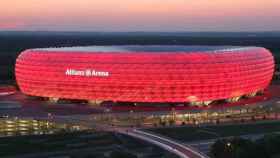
(144, 15)
(10, 25)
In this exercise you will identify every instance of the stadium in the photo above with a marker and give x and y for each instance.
(192, 75)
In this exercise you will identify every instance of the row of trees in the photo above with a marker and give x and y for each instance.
(265, 147)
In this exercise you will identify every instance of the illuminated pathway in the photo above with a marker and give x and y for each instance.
(170, 145)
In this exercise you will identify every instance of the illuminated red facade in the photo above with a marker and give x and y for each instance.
(148, 74)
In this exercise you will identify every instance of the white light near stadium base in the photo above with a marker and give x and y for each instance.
(228, 144)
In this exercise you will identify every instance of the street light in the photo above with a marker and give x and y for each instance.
(228, 144)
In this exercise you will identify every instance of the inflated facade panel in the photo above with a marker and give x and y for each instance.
(144, 75)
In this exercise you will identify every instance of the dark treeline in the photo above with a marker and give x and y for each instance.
(17, 41)
(264, 147)
(12, 43)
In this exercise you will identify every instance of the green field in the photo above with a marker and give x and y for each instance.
(211, 132)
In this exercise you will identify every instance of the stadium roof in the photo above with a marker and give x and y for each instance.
(145, 48)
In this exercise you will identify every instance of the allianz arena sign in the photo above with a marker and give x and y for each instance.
(86, 73)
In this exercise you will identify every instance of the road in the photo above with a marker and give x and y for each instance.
(170, 145)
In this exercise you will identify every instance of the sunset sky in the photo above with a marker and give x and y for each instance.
(140, 15)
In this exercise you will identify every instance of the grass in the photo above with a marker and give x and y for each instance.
(211, 132)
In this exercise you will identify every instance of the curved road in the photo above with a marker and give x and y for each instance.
(170, 145)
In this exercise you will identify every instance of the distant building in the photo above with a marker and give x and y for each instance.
(197, 75)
